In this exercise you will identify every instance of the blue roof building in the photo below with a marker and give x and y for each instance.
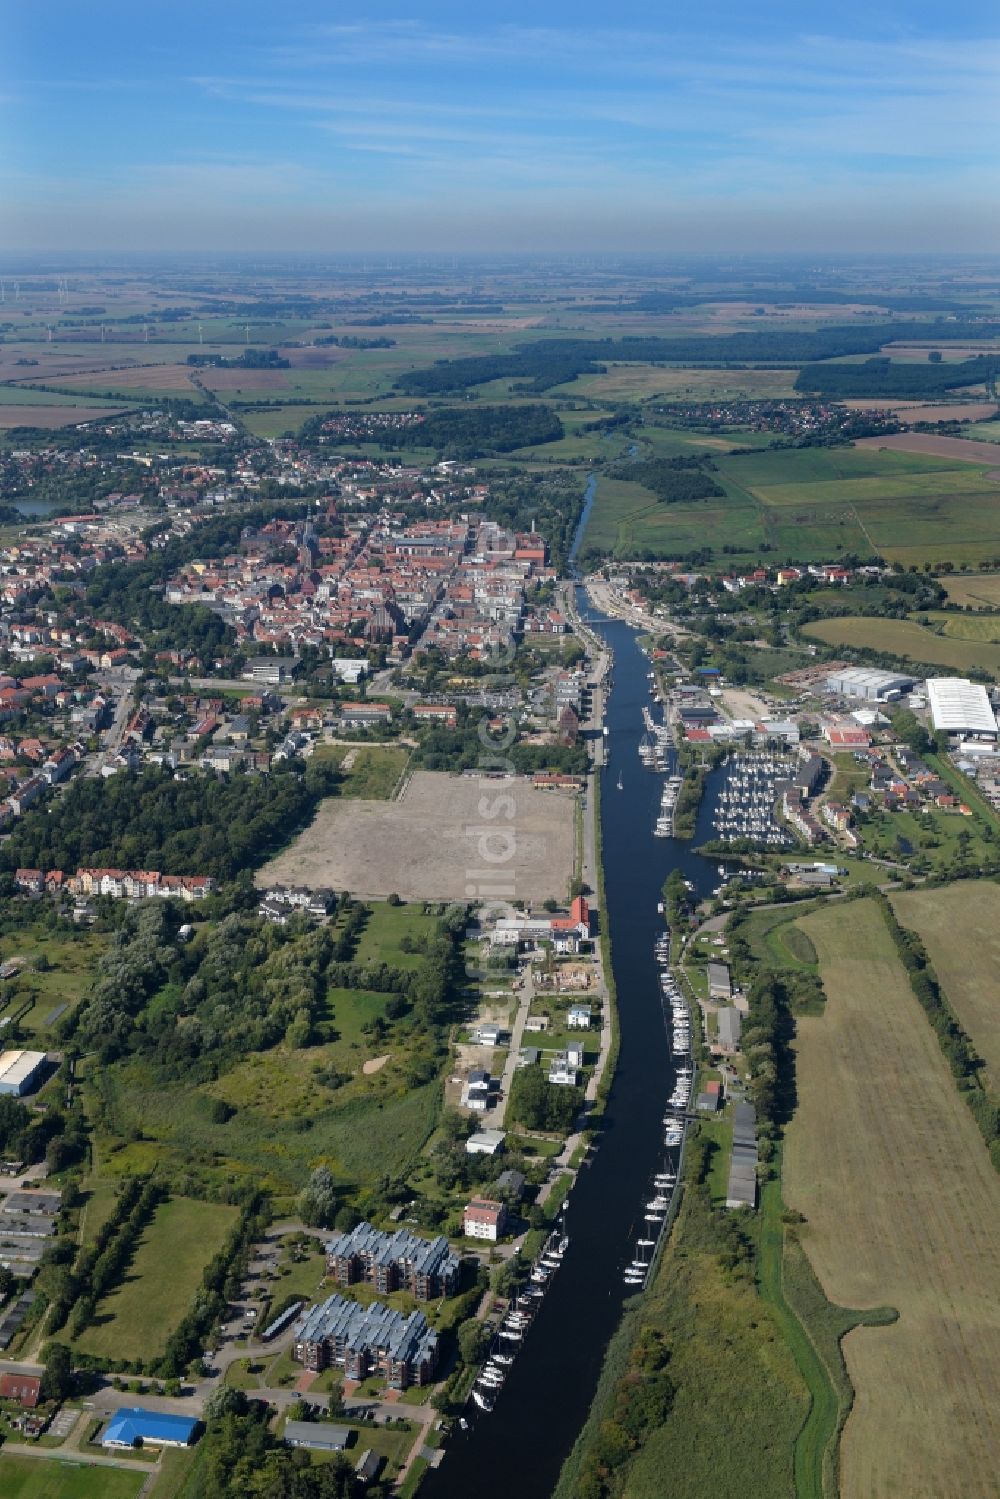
(130, 1424)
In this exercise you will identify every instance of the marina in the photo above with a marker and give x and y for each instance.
(752, 783)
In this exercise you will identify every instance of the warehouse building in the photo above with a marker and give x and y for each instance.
(961, 707)
(131, 1426)
(317, 1436)
(868, 683)
(742, 1189)
(20, 1071)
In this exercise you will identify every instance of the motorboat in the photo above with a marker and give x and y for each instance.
(481, 1401)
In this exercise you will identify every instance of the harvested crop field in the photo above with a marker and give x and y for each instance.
(903, 1208)
(960, 927)
(135, 377)
(51, 417)
(982, 592)
(968, 626)
(924, 411)
(907, 639)
(934, 447)
(446, 838)
(255, 380)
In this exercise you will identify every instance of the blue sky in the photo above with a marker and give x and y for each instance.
(250, 124)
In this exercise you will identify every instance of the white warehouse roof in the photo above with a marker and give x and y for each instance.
(17, 1068)
(960, 707)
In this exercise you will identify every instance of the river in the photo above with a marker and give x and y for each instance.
(519, 1448)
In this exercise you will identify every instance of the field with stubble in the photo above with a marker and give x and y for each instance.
(902, 1208)
(446, 838)
(960, 927)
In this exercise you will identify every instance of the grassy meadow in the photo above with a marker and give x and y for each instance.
(809, 503)
(902, 1208)
(345, 1099)
(908, 640)
(137, 1317)
(58, 1478)
(959, 925)
(371, 771)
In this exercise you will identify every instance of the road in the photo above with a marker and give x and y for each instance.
(75, 1455)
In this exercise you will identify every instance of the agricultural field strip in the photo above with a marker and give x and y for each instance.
(905, 638)
(960, 927)
(903, 1208)
(872, 490)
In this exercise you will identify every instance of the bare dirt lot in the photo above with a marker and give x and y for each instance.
(937, 447)
(446, 838)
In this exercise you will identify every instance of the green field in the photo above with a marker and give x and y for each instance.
(908, 640)
(734, 1375)
(973, 590)
(960, 927)
(373, 770)
(56, 1478)
(57, 969)
(804, 504)
(967, 626)
(136, 1319)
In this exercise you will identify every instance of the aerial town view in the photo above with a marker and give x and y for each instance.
(499, 755)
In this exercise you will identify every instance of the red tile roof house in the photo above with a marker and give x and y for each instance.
(847, 738)
(484, 1219)
(577, 921)
(24, 1388)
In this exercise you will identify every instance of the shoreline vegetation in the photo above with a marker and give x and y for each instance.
(732, 1291)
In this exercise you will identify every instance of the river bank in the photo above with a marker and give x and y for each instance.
(553, 1382)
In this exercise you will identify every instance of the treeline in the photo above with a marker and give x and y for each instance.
(30, 1136)
(550, 502)
(250, 359)
(549, 361)
(640, 1403)
(688, 801)
(240, 1458)
(795, 296)
(462, 748)
(203, 824)
(102, 1264)
(775, 997)
(674, 481)
(462, 432)
(956, 1045)
(220, 1284)
(893, 378)
(351, 341)
(474, 431)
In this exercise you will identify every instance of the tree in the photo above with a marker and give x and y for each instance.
(473, 1341)
(317, 1201)
(57, 1381)
(226, 1400)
